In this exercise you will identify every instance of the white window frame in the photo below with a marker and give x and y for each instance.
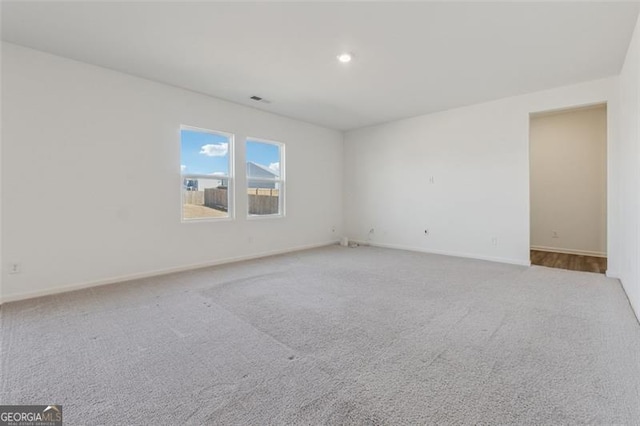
(281, 180)
(230, 177)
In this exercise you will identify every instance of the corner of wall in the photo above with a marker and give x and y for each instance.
(626, 171)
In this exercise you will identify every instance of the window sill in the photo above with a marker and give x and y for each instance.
(265, 216)
(207, 220)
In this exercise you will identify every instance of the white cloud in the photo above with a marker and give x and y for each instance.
(275, 167)
(218, 174)
(215, 149)
(183, 167)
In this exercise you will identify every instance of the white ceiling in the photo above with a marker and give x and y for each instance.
(410, 58)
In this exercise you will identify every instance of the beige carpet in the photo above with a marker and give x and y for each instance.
(332, 336)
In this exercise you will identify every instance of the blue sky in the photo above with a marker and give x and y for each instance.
(265, 154)
(204, 153)
(207, 153)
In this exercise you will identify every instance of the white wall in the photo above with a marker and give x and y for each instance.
(2, 263)
(626, 175)
(63, 119)
(478, 157)
(568, 181)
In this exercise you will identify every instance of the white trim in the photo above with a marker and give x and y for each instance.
(259, 179)
(567, 109)
(263, 140)
(570, 251)
(230, 177)
(207, 219)
(130, 277)
(612, 274)
(203, 130)
(281, 179)
(264, 216)
(200, 176)
(446, 253)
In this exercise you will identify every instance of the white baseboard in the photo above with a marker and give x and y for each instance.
(612, 274)
(570, 251)
(447, 253)
(130, 277)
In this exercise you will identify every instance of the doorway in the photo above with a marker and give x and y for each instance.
(568, 188)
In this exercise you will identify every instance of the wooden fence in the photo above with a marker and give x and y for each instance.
(263, 204)
(216, 198)
(193, 197)
(263, 191)
(261, 200)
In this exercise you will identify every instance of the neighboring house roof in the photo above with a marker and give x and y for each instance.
(258, 170)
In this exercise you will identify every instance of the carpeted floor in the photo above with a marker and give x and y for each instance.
(335, 335)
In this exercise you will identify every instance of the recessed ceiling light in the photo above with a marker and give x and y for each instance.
(345, 57)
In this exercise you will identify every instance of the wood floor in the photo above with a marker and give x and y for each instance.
(572, 262)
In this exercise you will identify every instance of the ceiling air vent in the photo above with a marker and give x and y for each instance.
(259, 99)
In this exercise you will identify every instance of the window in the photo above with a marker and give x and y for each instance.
(206, 167)
(265, 178)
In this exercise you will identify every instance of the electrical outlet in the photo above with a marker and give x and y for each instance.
(15, 267)
(554, 234)
(432, 179)
(494, 241)
(333, 229)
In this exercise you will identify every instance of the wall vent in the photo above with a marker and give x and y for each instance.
(259, 99)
